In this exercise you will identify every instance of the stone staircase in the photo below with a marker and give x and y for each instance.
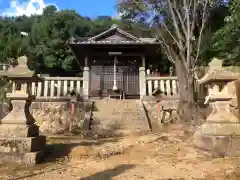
(118, 117)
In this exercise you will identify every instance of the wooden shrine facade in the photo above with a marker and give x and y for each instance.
(112, 60)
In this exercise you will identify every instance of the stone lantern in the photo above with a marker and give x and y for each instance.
(19, 136)
(221, 131)
(216, 77)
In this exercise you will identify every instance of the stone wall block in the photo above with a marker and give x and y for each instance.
(56, 117)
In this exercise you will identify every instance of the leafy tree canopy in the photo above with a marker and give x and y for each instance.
(227, 39)
(43, 37)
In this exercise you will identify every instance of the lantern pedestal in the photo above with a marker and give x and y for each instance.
(19, 136)
(220, 134)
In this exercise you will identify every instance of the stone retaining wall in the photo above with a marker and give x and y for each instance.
(53, 117)
(56, 117)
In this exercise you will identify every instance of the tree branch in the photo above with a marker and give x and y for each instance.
(169, 32)
(180, 44)
(166, 47)
(175, 24)
(188, 38)
(201, 31)
(180, 19)
(194, 16)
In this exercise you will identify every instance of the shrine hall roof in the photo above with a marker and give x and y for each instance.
(114, 35)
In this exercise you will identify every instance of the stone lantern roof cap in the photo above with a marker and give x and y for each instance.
(217, 73)
(21, 71)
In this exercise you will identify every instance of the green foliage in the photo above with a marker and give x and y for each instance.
(46, 43)
(48, 37)
(5, 87)
(227, 39)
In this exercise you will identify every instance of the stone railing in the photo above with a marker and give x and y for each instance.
(56, 87)
(168, 85)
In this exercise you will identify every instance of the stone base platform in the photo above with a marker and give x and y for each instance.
(221, 129)
(21, 145)
(26, 150)
(27, 159)
(18, 130)
(220, 146)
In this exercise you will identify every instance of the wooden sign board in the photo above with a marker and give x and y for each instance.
(115, 53)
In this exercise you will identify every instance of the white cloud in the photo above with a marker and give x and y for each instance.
(27, 8)
(118, 15)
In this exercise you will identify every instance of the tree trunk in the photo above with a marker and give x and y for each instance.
(187, 105)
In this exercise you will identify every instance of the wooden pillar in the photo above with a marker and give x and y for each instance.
(142, 78)
(143, 61)
(86, 61)
(142, 82)
(86, 79)
(115, 72)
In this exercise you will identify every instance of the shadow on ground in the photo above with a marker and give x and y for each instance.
(60, 149)
(31, 175)
(109, 173)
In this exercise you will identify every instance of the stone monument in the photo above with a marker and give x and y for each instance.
(19, 136)
(221, 131)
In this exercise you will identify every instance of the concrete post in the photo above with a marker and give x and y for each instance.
(142, 82)
(86, 78)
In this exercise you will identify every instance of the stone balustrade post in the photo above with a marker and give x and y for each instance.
(168, 87)
(65, 87)
(78, 88)
(142, 82)
(45, 93)
(52, 88)
(86, 78)
(39, 89)
(59, 87)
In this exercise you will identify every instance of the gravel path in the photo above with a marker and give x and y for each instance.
(162, 156)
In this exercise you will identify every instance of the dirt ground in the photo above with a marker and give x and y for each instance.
(167, 155)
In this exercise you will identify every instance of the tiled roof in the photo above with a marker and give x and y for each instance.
(97, 39)
(75, 41)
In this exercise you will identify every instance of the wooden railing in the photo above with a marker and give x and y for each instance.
(168, 85)
(56, 87)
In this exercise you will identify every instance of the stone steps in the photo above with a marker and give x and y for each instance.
(117, 117)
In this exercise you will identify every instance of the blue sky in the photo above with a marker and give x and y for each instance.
(91, 8)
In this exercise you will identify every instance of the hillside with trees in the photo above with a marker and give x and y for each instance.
(43, 37)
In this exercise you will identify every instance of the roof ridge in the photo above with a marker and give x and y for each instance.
(119, 30)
